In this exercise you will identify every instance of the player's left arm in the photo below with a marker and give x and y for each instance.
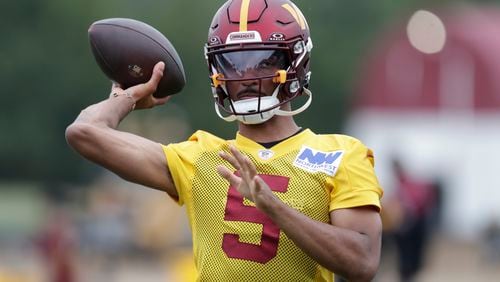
(348, 246)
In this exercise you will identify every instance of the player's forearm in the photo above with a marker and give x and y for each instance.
(107, 113)
(345, 252)
(92, 131)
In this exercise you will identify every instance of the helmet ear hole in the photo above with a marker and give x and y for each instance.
(306, 63)
(283, 95)
(221, 96)
(221, 93)
(307, 74)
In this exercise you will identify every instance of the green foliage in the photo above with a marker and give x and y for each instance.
(48, 74)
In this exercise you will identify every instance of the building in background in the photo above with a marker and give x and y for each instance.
(438, 112)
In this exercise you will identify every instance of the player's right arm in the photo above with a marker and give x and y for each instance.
(94, 135)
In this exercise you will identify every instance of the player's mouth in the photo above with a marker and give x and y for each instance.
(248, 93)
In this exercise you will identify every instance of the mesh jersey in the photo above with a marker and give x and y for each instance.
(232, 239)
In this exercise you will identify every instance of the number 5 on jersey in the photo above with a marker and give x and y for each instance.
(236, 210)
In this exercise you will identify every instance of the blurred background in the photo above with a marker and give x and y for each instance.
(417, 81)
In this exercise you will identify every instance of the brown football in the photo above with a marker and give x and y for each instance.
(126, 50)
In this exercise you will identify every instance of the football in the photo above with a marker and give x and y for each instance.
(126, 50)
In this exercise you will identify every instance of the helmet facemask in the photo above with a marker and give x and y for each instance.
(259, 65)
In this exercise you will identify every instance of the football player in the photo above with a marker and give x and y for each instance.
(276, 203)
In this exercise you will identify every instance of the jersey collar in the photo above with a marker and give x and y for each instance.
(245, 143)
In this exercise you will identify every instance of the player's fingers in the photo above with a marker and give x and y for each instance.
(158, 69)
(237, 155)
(224, 172)
(243, 163)
(259, 183)
(246, 170)
(228, 175)
(144, 90)
(161, 101)
(250, 167)
(230, 159)
(244, 192)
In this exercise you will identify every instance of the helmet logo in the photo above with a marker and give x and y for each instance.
(214, 40)
(277, 36)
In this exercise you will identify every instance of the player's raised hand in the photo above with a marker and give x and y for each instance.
(142, 94)
(246, 180)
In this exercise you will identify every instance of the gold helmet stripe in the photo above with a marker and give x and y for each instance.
(299, 18)
(245, 4)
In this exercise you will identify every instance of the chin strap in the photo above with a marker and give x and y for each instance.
(266, 115)
(306, 105)
(229, 118)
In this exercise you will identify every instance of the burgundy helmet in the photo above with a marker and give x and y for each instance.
(249, 35)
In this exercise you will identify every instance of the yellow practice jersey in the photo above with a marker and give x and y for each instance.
(232, 239)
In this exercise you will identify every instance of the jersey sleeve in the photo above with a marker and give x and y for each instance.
(181, 158)
(355, 183)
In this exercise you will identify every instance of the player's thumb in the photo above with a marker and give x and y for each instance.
(156, 76)
(259, 183)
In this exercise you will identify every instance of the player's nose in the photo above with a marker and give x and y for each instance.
(249, 82)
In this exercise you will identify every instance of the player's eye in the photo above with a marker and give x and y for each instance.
(265, 64)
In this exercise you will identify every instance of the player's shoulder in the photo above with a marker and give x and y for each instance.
(200, 141)
(340, 141)
(206, 139)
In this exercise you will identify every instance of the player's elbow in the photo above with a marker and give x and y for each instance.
(368, 274)
(78, 134)
(364, 272)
